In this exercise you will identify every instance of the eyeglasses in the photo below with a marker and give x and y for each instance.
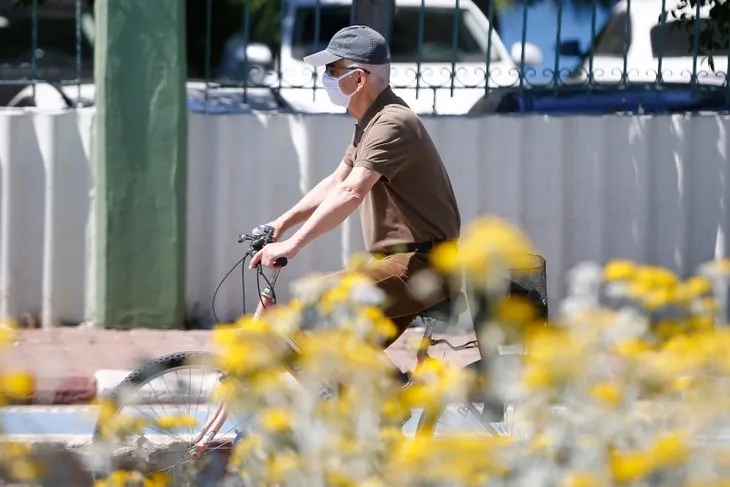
(329, 69)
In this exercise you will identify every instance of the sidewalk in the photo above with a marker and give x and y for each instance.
(71, 365)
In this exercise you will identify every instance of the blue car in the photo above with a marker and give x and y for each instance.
(579, 100)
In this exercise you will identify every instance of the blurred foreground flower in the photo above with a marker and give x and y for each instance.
(623, 387)
(487, 248)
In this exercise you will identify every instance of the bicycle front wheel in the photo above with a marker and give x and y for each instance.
(173, 386)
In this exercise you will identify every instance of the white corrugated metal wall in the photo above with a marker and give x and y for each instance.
(648, 188)
(45, 214)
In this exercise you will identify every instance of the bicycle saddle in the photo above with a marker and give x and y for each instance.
(445, 310)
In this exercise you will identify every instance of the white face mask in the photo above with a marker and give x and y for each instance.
(332, 85)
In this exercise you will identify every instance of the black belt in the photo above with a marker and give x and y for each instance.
(419, 247)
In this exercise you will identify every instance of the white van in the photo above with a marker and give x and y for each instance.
(651, 47)
(438, 58)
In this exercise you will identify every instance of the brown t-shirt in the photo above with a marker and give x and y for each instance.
(413, 202)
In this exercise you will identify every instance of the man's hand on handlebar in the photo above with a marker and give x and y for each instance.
(271, 253)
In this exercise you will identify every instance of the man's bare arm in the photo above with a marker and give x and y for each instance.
(304, 208)
(339, 203)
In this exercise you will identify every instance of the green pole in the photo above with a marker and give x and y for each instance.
(140, 160)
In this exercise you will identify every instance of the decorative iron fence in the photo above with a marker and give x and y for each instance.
(48, 43)
(448, 56)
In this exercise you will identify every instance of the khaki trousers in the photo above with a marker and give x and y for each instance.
(392, 275)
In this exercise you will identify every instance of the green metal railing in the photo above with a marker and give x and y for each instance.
(241, 52)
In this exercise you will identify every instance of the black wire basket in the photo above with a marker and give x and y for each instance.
(529, 281)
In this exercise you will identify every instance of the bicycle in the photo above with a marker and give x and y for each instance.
(208, 439)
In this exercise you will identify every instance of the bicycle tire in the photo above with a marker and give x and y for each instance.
(145, 374)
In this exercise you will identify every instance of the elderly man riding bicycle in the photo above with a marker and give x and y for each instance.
(391, 170)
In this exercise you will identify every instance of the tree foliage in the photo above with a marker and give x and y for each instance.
(714, 35)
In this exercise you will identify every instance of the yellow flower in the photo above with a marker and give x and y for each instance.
(659, 298)
(630, 466)
(536, 378)
(112, 424)
(668, 328)
(243, 449)
(487, 239)
(632, 348)
(445, 256)
(118, 478)
(277, 420)
(249, 325)
(363, 356)
(332, 298)
(225, 334)
(637, 289)
(158, 479)
(515, 310)
(280, 465)
(121, 426)
(246, 357)
(17, 385)
(225, 390)
(700, 322)
(382, 325)
(107, 409)
(656, 277)
(608, 393)
(539, 444)
(354, 279)
(392, 409)
(696, 286)
(671, 449)
(436, 382)
(170, 422)
(552, 357)
(414, 453)
(619, 270)
(683, 383)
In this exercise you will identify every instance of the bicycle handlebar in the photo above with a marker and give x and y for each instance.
(262, 236)
(260, 240)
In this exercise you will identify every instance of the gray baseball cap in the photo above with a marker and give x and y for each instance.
(358, 43)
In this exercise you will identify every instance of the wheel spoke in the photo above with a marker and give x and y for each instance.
(165, 445)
